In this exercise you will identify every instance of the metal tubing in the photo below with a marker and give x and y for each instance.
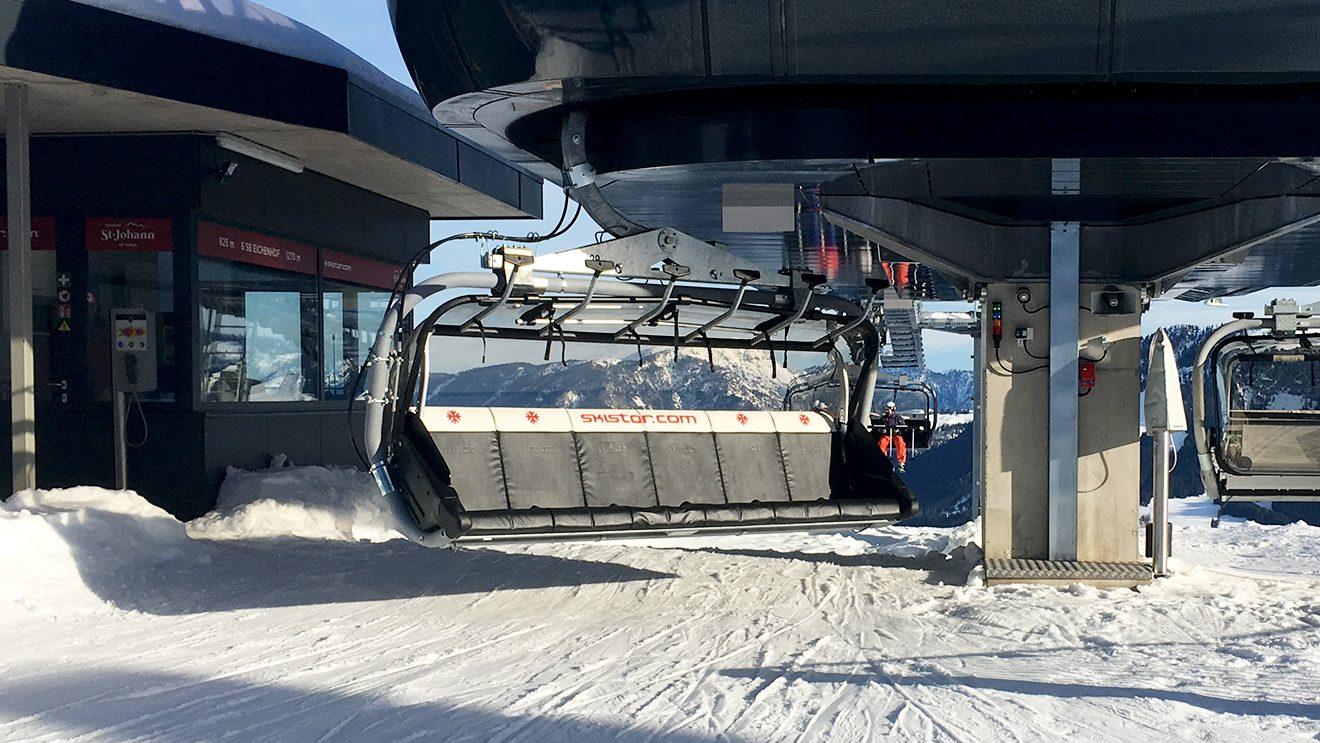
(504, 297)
(733, 309)
(841, 373)
(23, 383)
(1065, 291)
(121, 440)
(803, 305)
(649, 316)
(838, 333)
(1208, 479)
(586, 300)
(1160, 505)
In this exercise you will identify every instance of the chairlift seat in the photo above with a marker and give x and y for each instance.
(532, 472)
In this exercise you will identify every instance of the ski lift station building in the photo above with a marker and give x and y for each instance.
(251, 184)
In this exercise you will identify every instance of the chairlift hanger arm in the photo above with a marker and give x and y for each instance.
(675, 272)
(745, 277)
(804, 296)
(597, 267)
(510, 278)
(832, 336)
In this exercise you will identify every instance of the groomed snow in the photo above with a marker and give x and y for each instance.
(118, 625)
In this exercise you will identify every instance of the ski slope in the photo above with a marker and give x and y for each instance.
(289, 616)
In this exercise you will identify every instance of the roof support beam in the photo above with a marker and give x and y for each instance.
(22, 376)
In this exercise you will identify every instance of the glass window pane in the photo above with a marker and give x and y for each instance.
(258, 334)
(352, 317)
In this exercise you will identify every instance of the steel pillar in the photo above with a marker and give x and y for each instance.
(978, 423)
(1159, 507)
(23, 388)
(1065, 294)
(1065, 299)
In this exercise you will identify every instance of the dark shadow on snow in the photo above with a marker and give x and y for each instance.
(125, 565)
(940, 569)
(1061, 689)
(174, 708)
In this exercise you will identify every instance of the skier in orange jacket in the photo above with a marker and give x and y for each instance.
(891, 440)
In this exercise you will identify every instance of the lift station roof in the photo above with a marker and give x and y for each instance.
(1218, 99)
(235, 67)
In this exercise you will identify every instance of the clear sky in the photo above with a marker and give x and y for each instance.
(364, 27)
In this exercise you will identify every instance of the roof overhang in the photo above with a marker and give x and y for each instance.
(96, 71)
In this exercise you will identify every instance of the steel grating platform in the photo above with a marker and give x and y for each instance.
(1023, 570)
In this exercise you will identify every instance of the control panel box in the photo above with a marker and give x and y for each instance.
(133, 348)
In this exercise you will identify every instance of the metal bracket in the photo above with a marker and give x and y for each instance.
(643, 256)
(1287, 312)
(511, 262)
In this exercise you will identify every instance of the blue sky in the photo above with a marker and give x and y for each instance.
(364, 27)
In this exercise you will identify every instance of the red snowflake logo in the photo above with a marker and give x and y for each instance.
(742, 419)
(454, 416)
(805, 420)
(533, 417)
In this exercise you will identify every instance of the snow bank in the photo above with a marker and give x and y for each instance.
(303, 502)
(63, 548)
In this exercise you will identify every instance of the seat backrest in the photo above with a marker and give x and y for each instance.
(553, 458)
(749, 456)
(805, 440)
(614, 457)
(684, 462)
(466, 438)
(540, 458)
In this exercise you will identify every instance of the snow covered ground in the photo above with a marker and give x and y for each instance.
(119, 625)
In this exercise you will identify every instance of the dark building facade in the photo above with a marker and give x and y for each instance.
(265, 277)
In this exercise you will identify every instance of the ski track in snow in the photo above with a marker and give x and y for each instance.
(117, 626)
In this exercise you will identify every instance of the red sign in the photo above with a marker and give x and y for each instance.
(218, 241)
(130, 234)
(43, 233)
(357, 270)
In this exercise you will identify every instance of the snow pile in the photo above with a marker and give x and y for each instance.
(303, 502)
(65, 548)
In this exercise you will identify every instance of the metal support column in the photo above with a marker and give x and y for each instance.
(978, 421)
(1065, 294)
(1065, 299)
(23, 387)
(1159, 506)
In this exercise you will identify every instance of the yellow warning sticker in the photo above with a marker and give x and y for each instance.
(64, 326)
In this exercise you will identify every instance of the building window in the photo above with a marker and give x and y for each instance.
(356, 292)
(259, 318)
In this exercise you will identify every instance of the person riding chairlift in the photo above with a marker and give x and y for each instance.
(891, 441)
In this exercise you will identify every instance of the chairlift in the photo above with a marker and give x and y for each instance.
(462, 473)
(916, 401)
(1257, 426)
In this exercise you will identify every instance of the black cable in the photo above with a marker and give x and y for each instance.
(1041, 308)
(1006, 370)
(1032, 355)
(395, 303)
(142, 416)
(1087, 392)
